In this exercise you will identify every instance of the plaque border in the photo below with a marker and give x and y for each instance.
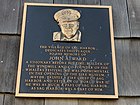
(18, 94)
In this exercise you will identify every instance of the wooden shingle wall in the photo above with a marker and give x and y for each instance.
(126, 14)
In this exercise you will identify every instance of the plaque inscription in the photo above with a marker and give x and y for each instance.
(77, 62)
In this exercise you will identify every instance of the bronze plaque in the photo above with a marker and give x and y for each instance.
(67, 51)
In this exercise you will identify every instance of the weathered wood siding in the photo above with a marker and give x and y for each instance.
(9, 45)
(9, 12)
(120, 16)
(134, 17)
(1, 99)
(126, 15)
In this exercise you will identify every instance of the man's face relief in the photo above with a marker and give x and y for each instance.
(69, 28)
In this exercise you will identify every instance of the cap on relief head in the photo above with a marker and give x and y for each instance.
(67, 15)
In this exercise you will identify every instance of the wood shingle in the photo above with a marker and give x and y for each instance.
(134, 17)
(120, 17)
(9, 12)
(9, 46)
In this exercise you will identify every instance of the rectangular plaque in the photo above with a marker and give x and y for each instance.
(67, 51)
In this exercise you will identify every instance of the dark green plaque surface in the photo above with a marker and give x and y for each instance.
(67, 68)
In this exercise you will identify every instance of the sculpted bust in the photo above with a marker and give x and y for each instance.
(68, 21)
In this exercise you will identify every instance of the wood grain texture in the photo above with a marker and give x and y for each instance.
(121, 101)
(61, 101)
(89, 2)
(21, 10)
(29, 101)
(9, 12)
(84, 2)
(128, 66)
(120, 17)
(38, 1)
(65, 1)
(9, 46)
(123, 65)
(134, 17)
(134, 80)
(1, 99)
(9, 99)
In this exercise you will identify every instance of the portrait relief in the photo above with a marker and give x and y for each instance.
(67, 20)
